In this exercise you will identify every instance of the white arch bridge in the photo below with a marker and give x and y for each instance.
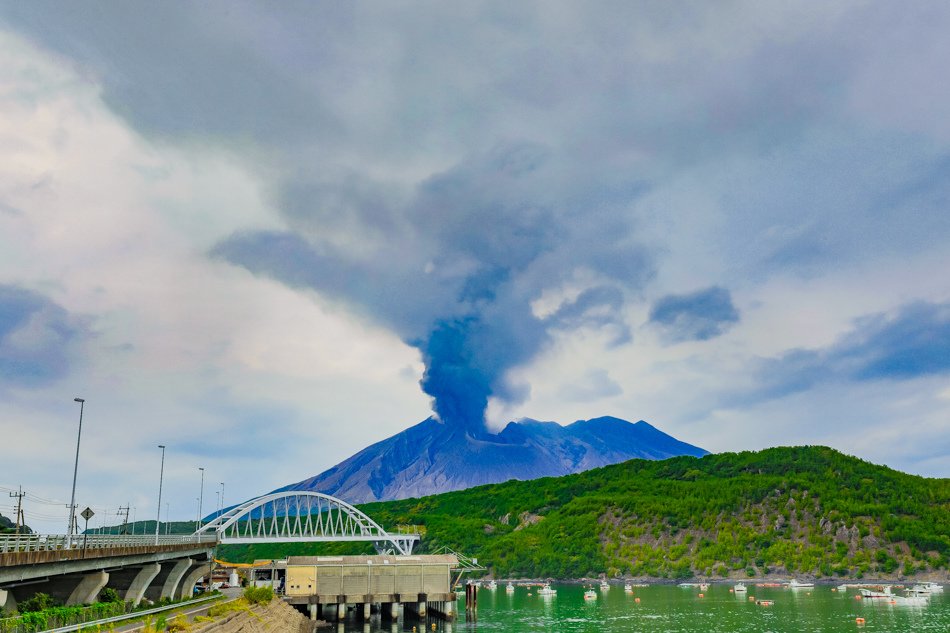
(299, 516)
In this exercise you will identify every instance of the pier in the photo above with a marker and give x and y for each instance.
(331, 587)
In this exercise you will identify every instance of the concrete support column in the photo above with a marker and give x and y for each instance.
(367, 610)
(449, 609)
(394, 610)
(341, 611)
(140, 583)
(175, 576)
(7, 601)
(422, 608)
(88, 588)
(313, 612)
(187, 587)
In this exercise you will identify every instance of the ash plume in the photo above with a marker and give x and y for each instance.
(456, 267)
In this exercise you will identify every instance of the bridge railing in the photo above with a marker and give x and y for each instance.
(51, 542)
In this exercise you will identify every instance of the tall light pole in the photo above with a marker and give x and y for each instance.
(201, 499)
(161, 476)
(167, 513)
(72, 499)
(222, 495)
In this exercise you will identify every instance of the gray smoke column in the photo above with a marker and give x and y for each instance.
(455, 266)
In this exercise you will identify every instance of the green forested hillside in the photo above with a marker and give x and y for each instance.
(805, 510)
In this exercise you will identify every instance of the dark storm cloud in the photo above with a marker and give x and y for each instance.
(38, 338)
(913, 343)
(438, 166)
(697, 316)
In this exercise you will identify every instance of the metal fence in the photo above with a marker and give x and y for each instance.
(53, 542)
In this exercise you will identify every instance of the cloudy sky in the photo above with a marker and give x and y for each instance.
(267, 235)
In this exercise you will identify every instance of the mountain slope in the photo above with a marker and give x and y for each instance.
(431, 457)
(799, 510)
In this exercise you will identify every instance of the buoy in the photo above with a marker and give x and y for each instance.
(700, 595)
(857, 597)
(833, 590)
(859, 620)
(732, 591)
(636, 599)
(433, 626)
(751, 598)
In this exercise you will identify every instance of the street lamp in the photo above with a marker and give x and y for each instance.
(161, 476)
(167, 513)
(201, 499)
(72, 500)
(222, 495)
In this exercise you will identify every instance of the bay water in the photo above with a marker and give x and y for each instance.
(672, 609)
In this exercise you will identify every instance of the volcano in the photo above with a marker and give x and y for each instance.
(432, 457)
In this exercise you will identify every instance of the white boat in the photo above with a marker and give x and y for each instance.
(874, 593)
(739, 588)
(604, 585)
(492, 585)
(547, 591)
(687, 585)
(704, 587)
(590, 594)
(843, 587)
(797, 584)
(928, 587)
(510, 588)
(628, 587)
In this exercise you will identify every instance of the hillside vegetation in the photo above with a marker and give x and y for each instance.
(802, 510)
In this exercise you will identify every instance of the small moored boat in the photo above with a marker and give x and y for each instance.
(739, 588)
(590, 594)
(510, 588)
(797, 584)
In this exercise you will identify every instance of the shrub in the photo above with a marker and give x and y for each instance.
(259, 595)
(109, 595)
(39, 602)
(179, 623)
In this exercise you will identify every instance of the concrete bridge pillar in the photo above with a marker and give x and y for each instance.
(187, 588)
(7, 601)
(394, 610)
(131, 582)
(88, 588)
(165, 583)
(341, 612)
(140, 583)
(367, 610)
(174, 577)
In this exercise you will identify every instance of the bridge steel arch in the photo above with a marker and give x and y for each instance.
(295, 516)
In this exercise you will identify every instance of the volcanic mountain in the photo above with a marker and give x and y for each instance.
(432, 457)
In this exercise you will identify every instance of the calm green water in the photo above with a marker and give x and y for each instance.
(671, 609)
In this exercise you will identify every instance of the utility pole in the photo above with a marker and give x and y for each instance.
(161, 476)
(124, 513)
(20, 520)
(201, 499)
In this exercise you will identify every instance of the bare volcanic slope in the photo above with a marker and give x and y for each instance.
(432, 457)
